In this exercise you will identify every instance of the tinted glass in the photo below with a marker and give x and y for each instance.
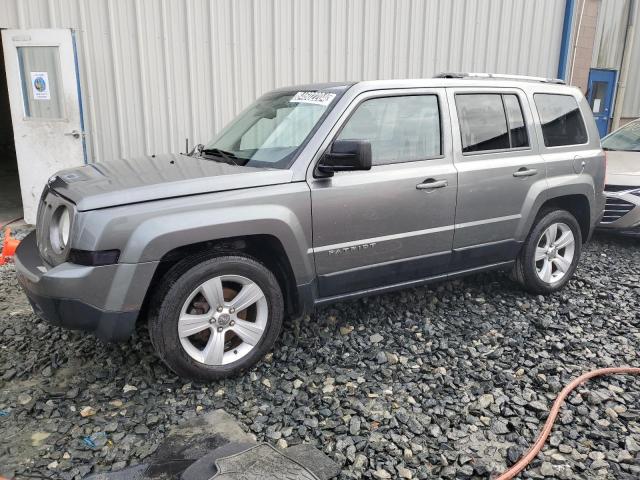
(517, 128)
(561, 120)
(400, 129)
(483, 125)
(626, 138)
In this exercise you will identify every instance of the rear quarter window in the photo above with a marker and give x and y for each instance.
(561, 120)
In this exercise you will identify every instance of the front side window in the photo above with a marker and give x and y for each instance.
(269, 132)
(561, 120)
(626, 138)
(400, 129)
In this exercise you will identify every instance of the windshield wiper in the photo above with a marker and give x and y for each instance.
(228, 157)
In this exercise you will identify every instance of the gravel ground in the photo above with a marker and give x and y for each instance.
(451, 381)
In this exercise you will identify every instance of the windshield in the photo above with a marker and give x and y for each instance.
(270, 132)
(626, 138)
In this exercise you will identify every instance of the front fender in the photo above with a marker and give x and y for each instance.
(146, 232)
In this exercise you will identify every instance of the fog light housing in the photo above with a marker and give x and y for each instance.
(94, 258)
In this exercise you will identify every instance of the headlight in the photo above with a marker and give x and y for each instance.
(60, 229)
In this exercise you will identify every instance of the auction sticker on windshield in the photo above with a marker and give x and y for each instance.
(316, 98)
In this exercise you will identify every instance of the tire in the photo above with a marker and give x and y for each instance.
(530, 270)
(181, 302)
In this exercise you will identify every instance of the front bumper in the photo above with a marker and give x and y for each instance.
(104, 300)
(622, 211)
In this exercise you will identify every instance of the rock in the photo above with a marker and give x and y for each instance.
(360, 462)
(24, 398)
(513, 454)
(87, 411)
(381, 474)
(538, 406)
(328, 389)
(129, 388)
(392, 358)
(376, 338)
(297, 383)
(346, 330)
(547, 470)
(404, 472)
(631, 445)
(354, 426)
(381, 357)
(485, 400)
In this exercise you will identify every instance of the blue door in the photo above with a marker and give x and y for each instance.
(600, 96)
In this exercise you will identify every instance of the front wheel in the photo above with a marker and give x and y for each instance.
(215, 317)
(550, 255)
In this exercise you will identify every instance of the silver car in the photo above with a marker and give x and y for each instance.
(622, 210)
(315, 194)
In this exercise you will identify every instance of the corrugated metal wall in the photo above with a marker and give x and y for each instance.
(609, 43)
(156, 71)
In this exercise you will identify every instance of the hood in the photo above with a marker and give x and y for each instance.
(100, 185)
(623, 168)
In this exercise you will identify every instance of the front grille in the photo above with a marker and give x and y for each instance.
(615, 209)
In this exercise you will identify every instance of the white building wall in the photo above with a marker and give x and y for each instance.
(154, 72)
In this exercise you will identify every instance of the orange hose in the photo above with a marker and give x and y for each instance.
(546, 430)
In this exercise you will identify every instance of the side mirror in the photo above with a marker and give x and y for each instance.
(346, 156)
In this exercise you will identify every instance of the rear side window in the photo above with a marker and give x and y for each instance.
(517, 127)
(400, 129)
(561, 120)
(491, 121)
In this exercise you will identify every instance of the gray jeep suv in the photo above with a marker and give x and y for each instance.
(316, 194)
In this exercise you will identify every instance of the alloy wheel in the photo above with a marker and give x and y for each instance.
(223, 320)
(554, 253)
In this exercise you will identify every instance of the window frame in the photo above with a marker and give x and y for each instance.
(395, 94)
(501, 93)
(544, 144)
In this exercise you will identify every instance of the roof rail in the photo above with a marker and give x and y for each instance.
(499, 76)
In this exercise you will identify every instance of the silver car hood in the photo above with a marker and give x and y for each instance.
(100, 185)
(623, 168)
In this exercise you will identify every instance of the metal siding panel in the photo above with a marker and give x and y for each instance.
(155, 72)
(610, 33)
(631, 106)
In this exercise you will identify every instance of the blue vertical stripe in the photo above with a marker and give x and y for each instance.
(75, 62)
(566, 39)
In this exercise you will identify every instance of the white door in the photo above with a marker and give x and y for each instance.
(43, 94)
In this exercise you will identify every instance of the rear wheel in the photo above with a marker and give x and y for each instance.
(550, 255)
(215, 317)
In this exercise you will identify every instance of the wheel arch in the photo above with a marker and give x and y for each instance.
(265, 248)
(577, 205)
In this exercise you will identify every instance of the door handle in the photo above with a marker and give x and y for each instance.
(525, 172)
(432, 183)
(75, 134)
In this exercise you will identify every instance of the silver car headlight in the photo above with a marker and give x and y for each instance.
(60, 229)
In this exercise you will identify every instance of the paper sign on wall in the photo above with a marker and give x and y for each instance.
(40, 85)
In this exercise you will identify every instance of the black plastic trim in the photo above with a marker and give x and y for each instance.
(378, 275)
(76, 315)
